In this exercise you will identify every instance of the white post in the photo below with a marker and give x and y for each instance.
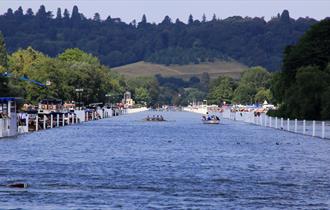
(265, 121)
(51, 121)
(270, 121)
(295, 125)
(63, 121)
(281, 122)
(323, 130)
(288, 124)
(37, 123)
(304, 126)
(57, 120)
(27, 122)
(276, 123)
(44, 121)
(313, 134)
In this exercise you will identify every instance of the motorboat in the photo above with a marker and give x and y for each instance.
(211, 120)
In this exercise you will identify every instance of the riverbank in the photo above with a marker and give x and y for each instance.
(312, 128)
(32, 122)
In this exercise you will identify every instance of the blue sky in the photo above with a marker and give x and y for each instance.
(155, 10)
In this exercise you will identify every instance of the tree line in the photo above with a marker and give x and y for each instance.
(75, 69)
(252, 41)
(302, 88)
(32, 75)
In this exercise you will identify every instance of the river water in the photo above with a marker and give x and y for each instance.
(125, 163)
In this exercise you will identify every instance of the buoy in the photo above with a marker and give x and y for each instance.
(18, 185)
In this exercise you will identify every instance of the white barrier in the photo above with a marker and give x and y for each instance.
(310, 128)
(197, 109)
(136, 110)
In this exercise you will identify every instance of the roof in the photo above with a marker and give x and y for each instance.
(6, 99)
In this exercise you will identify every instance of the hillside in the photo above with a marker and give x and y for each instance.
(215, 69)
(251, 41)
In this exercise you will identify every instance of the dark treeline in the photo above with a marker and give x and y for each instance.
(302, 88)
(252, 41)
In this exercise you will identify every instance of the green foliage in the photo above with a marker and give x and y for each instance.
(3, 67)
(142, 95)
(144, 89)
(302, 88)
(244, 94)
(182, 56)
(254, 82)
(262, 95)
(192, 95)
(78, 55)
(221, 90)
(3, 52)
(70, 70)
(252, 41)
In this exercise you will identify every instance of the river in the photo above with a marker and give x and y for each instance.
(125, 163)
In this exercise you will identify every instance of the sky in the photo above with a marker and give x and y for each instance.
(156, 10)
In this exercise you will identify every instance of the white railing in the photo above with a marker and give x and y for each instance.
(196, 109)
(311, 128)
(136, 110)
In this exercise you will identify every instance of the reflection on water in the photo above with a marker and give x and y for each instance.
(127, 163)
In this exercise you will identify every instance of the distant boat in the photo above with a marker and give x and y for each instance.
(154, 119)
(214, 122)
(211, 120)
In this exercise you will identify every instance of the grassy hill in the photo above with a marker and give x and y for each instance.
(215, 69)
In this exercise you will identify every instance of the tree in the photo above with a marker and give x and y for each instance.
(19, 12)
(9, 13)
(257, 77)
(263, 95)
(303, 83)
(78, 55)
(285, 17)
(214, 18)
(167, 20)
(204, 18)
(190, 19)
(252, 81)
(3, 67)
(75, 15)
(244, 94)
(66, 14)
(29, 12)
(221, 90)
(143, 21)
(97, 17)
(59, 14)
(192, 95)
(3, 53)
(142, 95)
(42, 12)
